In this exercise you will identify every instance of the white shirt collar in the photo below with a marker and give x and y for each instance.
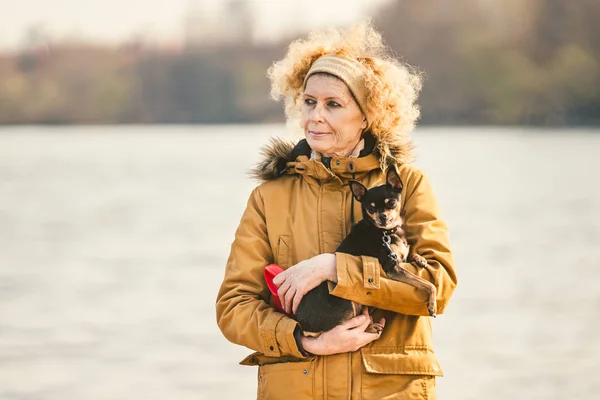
(315, 155)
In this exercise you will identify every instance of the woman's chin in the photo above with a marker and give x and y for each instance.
(319, 143)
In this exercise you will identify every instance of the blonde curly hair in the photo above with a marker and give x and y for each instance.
(392, 86)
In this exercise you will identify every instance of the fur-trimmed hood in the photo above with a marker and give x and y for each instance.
(281, 155)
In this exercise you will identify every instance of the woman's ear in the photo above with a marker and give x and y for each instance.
(364, 123)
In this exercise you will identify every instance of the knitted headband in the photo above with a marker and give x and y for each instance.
(350, 71)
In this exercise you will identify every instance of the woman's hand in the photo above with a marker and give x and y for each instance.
(296, 281)
(347, 337)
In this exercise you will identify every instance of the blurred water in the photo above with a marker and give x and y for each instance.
(113, 242)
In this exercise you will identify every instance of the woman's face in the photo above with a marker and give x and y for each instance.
(331, 119)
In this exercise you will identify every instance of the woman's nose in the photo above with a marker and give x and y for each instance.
(317, 113)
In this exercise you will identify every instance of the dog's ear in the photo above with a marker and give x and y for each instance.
(358, 189)
(393, 179)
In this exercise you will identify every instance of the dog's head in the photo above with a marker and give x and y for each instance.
(380, 204)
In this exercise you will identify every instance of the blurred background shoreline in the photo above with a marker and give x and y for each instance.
(113, 243)
(510, 63)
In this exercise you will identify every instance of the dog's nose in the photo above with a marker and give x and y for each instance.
(382, 217)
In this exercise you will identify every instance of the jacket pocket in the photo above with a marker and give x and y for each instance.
(396, 386)
(291, 380)
(408, 360)
(283, 252)
(408, 374)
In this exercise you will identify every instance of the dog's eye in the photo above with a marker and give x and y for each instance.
(370, 209)
(391, 203)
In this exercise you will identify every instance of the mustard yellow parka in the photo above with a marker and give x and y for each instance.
(303, 210)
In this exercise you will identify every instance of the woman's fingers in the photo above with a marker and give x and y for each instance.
(299, 279)
(289, 296)
(279, 278)
(296, 301)
(366, 322)
(349, 336)
(283, 289)
(355, 322)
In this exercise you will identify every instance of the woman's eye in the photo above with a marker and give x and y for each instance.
(334, 104)
(309, 102)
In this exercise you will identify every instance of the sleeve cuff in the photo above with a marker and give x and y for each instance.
(349, 266)
(298, 337)
(286, 339)
(279, 340)
(342, 286)
(370, 272)
(268, 334)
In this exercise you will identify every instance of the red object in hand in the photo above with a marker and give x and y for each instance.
(271, 271)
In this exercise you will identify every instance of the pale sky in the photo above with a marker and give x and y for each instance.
(162, 20)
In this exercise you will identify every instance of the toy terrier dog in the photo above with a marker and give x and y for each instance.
(379, 234)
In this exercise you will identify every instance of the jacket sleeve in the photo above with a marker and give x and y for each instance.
(243, 314)
(362, 279)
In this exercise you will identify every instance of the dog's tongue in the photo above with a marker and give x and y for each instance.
(271, 271)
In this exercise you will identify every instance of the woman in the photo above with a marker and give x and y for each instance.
(356, 106)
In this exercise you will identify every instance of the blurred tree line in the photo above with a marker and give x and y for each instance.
(485, 62)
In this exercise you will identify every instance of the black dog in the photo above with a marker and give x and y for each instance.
(379, 234)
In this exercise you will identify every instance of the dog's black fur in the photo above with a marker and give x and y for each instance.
(319, 311)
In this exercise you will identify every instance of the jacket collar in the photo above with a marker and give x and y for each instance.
(282, 157)
(340, 168)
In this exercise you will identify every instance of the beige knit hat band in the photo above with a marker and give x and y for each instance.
(350, 71)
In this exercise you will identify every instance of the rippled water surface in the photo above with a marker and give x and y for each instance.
(113, 242)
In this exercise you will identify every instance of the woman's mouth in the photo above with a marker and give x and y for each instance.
(317, 134)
